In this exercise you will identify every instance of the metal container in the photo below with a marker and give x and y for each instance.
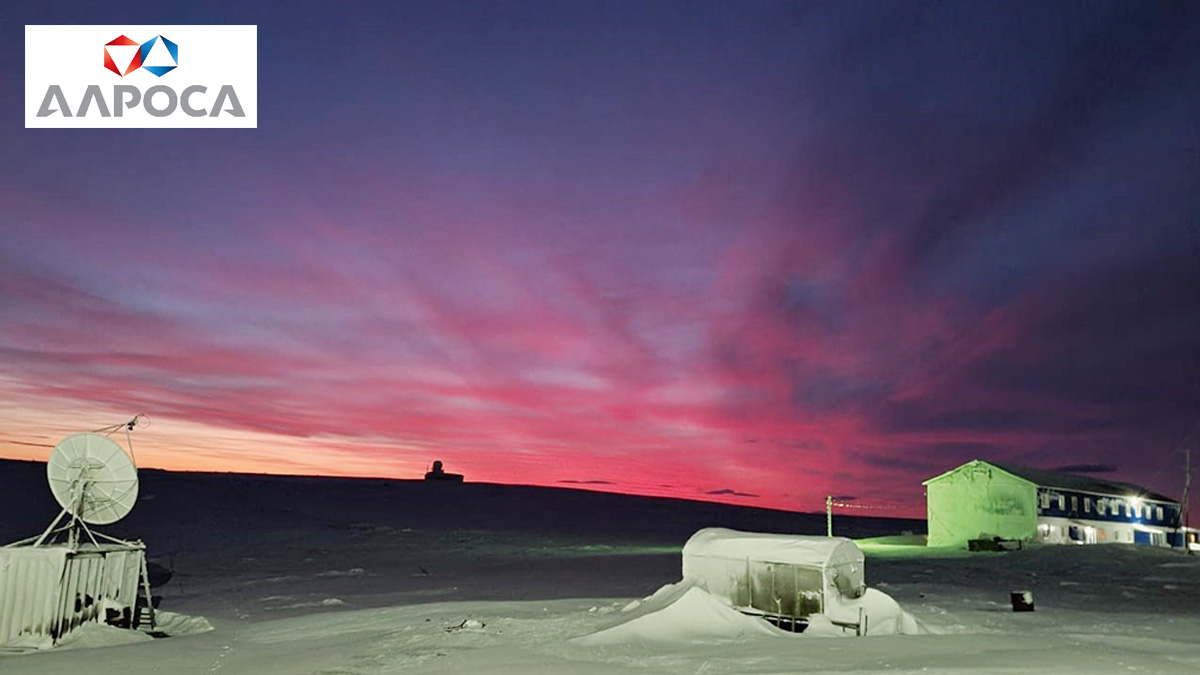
(47, 592)
(785, 577)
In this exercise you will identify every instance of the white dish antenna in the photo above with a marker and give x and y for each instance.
(92, 478)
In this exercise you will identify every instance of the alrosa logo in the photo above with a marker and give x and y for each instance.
(157, 56)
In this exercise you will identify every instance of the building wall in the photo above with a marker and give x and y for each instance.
(978, 500)
(1056, 503)
(1071, 517)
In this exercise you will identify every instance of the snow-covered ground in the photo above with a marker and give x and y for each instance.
(380, 577)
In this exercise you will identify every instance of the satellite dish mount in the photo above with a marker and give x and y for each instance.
(95, 482)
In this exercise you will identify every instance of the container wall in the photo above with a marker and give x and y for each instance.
(786, 590)
(723, 578)
(774, 588)
(122, 571)
(29, 595)
(48, 592)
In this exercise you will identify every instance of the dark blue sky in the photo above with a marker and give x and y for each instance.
(782, 249)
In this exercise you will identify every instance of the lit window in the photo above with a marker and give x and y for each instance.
(1044, 500)
(1158, 513)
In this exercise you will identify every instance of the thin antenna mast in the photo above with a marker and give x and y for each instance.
(1187, 486)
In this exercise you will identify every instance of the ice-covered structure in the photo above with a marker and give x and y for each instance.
(785, 578)
(48, 592)
(983, 500)
(70, 575)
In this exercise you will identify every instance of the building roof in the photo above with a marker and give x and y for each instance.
(1071, 481)
(1067, 481)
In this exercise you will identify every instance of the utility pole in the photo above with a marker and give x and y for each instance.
(829, 515)
(1187, 485)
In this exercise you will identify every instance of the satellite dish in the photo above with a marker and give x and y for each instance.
(92, 478)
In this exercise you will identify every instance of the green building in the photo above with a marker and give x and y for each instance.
(983, 500)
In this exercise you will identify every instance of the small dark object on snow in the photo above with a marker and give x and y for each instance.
(436, 473)
(1022, 601)
(994, 544)
(467, 624)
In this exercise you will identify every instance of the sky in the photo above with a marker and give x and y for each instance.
(749, 252)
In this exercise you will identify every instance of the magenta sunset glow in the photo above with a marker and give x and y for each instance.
(755, 252)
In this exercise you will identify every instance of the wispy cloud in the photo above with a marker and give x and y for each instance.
(876, 240)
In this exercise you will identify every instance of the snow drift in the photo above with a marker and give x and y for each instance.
(680, 613)
(683, 612)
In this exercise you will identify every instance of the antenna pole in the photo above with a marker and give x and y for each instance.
(78, 489)
(828, 515)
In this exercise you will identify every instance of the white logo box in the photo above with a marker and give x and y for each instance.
(212, 60)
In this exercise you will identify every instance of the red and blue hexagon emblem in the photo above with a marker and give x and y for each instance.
(122, 51)
(158, 55)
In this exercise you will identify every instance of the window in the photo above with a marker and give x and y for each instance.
(1087, 504)
(1158, 513)
(1062, 502)
(1044, 500)
(1074, 504)
(1100, 507)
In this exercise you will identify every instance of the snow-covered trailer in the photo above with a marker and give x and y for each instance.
(47, 592)
(781, 576)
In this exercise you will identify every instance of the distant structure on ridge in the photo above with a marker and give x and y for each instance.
(436, 473)
(986, 500)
